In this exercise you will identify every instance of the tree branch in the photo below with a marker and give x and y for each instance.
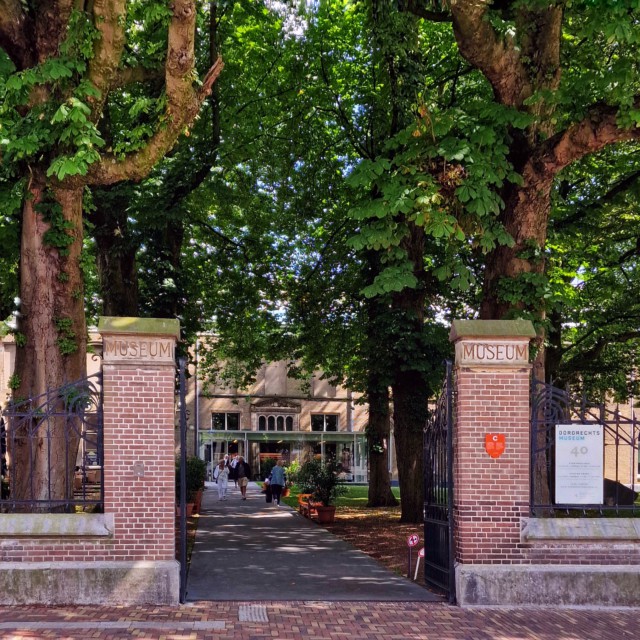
(324, 250)
(622, 186)
(627, 255)
(183, 103)
(597, 130)
(498, 60)
(416, 8)
(223, 237)
(131, 75)
(264, 99)
(51, 22)
(16, 34)
(602, 341)
(580, 360)
(109, 19)
(339, 112)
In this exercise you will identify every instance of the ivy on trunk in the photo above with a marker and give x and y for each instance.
(61, 63)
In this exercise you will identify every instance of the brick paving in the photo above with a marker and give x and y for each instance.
(315, 621)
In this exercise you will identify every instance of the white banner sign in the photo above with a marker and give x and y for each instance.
(579, 464)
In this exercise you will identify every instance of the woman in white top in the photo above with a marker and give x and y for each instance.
(221, 476)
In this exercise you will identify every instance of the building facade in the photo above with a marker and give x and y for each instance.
(279, 417)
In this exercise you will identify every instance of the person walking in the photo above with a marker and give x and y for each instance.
(278, 482)
(221, 476)
(243, 473)
(232, 469)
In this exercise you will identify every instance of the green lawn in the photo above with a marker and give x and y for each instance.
(356, 496)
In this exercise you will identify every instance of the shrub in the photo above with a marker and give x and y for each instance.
(196, 474)
(321, 480)
(293, 471)
(266, 464)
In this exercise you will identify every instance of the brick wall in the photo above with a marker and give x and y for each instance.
(139, 429)
(491, 495)
(139, 415)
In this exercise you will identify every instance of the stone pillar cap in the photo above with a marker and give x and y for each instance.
(491, 329)
(147, 326)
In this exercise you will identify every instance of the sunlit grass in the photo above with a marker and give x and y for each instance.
(356, 497)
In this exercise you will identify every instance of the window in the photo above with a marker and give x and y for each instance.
(225, 421)
(275, 423)
(324, 422)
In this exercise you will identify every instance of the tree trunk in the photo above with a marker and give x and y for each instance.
(379, 428)
(554, 350)
(410, 394)
(164, 300)
(378, 435)
(525, 218)
(51, 335)
(410, 389)
(116, 259)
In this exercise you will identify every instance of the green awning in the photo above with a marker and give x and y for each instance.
(281, 436)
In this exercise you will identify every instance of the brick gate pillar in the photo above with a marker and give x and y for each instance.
(491, 496)
(139, 448)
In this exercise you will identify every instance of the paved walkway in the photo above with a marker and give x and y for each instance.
(314, 621)
(251, 550)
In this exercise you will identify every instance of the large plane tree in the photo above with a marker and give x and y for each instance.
(571, 68)
(61, 63)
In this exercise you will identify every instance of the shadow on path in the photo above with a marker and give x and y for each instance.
(251, 550)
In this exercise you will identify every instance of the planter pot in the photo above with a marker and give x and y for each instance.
(326, 515)
(198, 501)
(190, 508)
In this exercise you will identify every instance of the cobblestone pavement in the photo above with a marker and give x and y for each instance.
(315, 621)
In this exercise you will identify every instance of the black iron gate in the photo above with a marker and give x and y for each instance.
(51, 448)
(182, 498)
(438, 493)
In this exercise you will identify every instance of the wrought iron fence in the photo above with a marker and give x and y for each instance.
(551, 407)
(52, 450)
(438, 492)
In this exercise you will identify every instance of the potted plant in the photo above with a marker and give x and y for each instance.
(196, 472)
(292, 470)
(322, 482)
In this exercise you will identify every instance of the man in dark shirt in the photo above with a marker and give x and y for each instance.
(243, 473)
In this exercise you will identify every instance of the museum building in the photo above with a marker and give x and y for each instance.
(279, 417)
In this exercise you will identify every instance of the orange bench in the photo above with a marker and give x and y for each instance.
(306, 507)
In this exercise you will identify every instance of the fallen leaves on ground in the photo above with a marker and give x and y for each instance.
(379, 533)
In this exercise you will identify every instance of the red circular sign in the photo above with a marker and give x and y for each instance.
(413, 540)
